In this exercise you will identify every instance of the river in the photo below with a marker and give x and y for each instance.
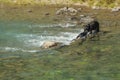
(19, 36)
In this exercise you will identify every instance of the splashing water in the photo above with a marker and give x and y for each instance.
(21, 36)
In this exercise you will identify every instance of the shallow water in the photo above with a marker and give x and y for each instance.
(21, 57)
(28, 37)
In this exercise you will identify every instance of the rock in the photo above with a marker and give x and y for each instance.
(29, 11)
(79, 9)
(72, 10)
(61, 11)
(50, 44)
(73, 18)
(81, 16)
(47, 14)
(66, 10)
(58, 12)
(96, 7)
(115, 9)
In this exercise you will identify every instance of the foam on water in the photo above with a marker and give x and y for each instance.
(66, 25)
(38, 40)
(41, 25)
(35, 40)
(27, 37)
(61, 24)
(12, 49)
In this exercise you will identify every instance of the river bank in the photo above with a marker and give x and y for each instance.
(90, 3)
(37, 13)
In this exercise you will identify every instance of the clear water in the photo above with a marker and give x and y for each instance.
(17, 36)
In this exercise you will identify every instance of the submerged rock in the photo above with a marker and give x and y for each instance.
(50, 44)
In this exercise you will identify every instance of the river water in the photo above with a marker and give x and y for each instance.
(19, 36)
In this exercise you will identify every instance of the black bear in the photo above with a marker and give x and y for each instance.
(91, 28)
